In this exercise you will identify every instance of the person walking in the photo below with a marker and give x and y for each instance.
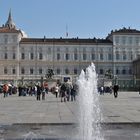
(5, 90)
(63, 92)
(43, 93)
(38, 91)
(115, 89)
(73, 93)
(56, 90)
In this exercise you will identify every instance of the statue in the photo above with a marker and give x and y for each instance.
(49, 74)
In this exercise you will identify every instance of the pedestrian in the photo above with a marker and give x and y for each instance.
(5, 90)
(73, 93)
(35, 90)
(38, 91)
(102, 90)
(115, 89)
(63, 92)
(43, 93)
(56, 90)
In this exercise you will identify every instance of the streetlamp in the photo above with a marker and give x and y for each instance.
(134, 81)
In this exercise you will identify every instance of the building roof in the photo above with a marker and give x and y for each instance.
(9, 30)
(123, 31)
(126, 30)
(65, 40)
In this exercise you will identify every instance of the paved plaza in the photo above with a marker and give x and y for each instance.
(14, 109)
(25, 117)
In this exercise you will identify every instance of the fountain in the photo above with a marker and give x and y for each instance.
(90, 114)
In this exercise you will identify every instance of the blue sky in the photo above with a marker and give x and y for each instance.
(83, 18)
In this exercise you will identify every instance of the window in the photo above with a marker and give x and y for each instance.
(75, 50)
(137, 40)
(22, 71)
(58, 71)
(84, 56)
(101, 49)
(22, 56)
(130, 54)
(6, 39)
(67, 49)
(93, 50)
(124, 56)
(67, 56)
(101, 56)
(31, 56)
(93, 56)
(40, 56)
(5, 71)
(5, 56)
(117, 71)
(49, 50)
(58, 49)
(14, 71)
(117, 40)
(130, 40)
(101, 71)
(123, 71)
(109, 56)
(14, 38)
(75, 56)
(130, 71)
(84, 49)
(117, 56)
(75, 71)
(40, 71)
(31, 71)
(14, 56)
(58, 56)
(123, 40)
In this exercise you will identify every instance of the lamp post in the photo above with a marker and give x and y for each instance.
(134, 81)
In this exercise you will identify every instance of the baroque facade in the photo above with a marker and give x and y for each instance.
(27, 58)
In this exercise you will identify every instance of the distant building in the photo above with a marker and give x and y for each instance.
(28, 59)
(136, 69)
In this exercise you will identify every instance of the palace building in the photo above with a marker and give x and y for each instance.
(28, 59)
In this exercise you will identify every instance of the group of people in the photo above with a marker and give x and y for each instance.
(37, 90)
(115, 89)
(66, 91)
(8, 89)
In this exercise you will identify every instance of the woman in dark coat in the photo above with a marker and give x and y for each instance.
(38, 91)
(115, 89)
(63, 92)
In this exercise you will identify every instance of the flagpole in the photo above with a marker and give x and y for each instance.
(66, 30)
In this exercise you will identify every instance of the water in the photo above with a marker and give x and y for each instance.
(90, 114)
